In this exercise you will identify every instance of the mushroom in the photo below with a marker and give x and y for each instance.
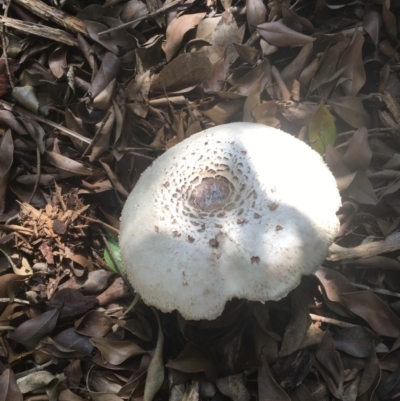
(240, 210)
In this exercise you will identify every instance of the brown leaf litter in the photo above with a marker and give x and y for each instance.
(91, 94)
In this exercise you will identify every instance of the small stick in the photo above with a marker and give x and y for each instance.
(105, 225)
(55, 15)
(282, 86)
(114, 180)
(377, 290)
(371, 131)
(149, 15)
(13, 227)
(329, 320)
(43, 120)
(42, 31)
(17, 300)
(4, 43)
(35, 369)
(390, 244)
(37, 174)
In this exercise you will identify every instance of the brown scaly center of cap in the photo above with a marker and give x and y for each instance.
(212, 193)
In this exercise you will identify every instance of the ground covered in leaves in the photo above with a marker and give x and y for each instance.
(91, 93)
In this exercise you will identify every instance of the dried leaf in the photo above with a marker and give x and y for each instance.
(109, 70)
(94, 324)
(358, 154)
(193, 360)
(70, 339)
(32, 331)
(233, 387)
(116, 352)
(26, 95)
(58, 61)
(176, 30)
(321, 129)
(223, 36)
(155, 372)
(298, 324)
(255, 13)
(352, 63)
(268, 389)
(67, 166)
(374, 311)
(329, 364)
(372, 23)
(223, 111)
(183, 73)
(278, 34)
(9, 390)
(351, 110)
(356, 341)
(6, 160)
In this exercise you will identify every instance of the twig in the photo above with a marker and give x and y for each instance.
(371, 131)
(105, 225)
(329, 320)
(43, 120)
(40, 30)
(282, 86)
(114, 180)
(12, 227)
(132, 152)
(6, 328)
(17, 300)
(4, 43)
(390, 244)
(149, 15)
(377, 290)
(35, 369)
(38, 162)
(55, 15)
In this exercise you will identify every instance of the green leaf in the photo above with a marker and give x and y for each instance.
(321, 129)
(113, 260)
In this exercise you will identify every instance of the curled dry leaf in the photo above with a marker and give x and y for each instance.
(35, 381)
(109, 69)
(155, 372)
(94, 324)
(351, 109)
(116, 352)
(8, 118)
(233, 387)
(353, 67)
(374, 311)
(255, 13)
(356, 341)
(358, 154)
(268, 388)
(183, 73)
(225, 34)
(70, 339)
(193, 360)
(176, 30)
(278, 34)
(66, 166)
(6, 160)
(298, 324)
(26, 95)
(32, 331)
(329, 364)
(9, 390)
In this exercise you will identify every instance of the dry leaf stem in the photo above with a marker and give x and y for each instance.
(46, 121)
(149, 15)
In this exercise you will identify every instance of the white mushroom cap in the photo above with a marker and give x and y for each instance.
(241, 210)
